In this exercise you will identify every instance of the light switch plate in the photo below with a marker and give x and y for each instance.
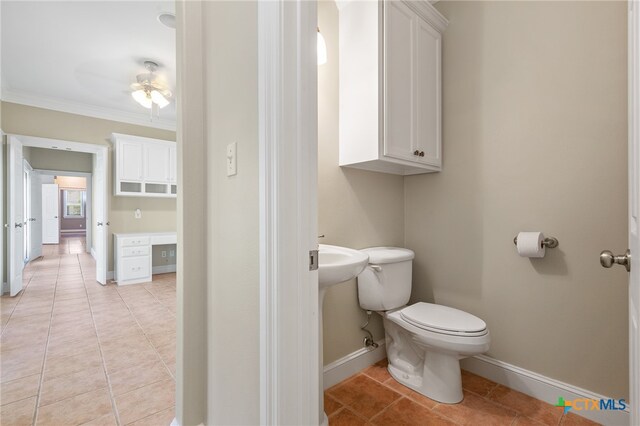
(232, 150)
(137, 213)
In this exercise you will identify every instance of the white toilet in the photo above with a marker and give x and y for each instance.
(424, 342)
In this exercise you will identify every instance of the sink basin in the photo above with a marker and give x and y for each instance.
(339, 264)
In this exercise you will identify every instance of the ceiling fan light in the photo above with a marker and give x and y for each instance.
(142, 98)
(159, 99)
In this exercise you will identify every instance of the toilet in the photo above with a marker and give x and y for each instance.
(424, 341)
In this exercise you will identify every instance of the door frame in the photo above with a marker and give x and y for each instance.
(3, 280)
(99, 151)
(88, 201)
(633, 10)
(287, 109)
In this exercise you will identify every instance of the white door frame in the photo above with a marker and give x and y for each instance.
(287, 108)
(3, 283)
(88, 207)
(634, 200)
(99, 151)
(289, 355)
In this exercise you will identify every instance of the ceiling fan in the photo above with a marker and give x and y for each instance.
(150, 91)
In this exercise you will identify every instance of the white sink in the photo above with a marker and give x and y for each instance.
(339, 264)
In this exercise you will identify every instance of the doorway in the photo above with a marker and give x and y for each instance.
(26, 192)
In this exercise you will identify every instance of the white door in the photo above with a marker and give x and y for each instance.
(16, 222)
(50, 213)
(100, 215)
(35, 217)
(399, 102)
(634, 209)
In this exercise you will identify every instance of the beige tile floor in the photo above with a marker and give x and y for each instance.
(75, 352)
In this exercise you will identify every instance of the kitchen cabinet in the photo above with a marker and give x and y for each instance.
(144, 167)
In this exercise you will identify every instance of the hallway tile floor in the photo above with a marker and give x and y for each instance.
(75, 352)
(373, 397)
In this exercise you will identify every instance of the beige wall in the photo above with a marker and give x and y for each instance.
(230, 55)
(157, 214)
(535, 128)
(53, 159)
(357, 208)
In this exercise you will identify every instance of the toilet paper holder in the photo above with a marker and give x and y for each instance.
(548, 242)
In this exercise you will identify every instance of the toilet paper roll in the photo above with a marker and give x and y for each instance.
(530, 244)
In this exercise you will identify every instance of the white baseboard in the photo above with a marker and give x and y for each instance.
(541, 387)
(351, 364)
(163, 269)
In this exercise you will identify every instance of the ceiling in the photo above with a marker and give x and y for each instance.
(82, 56)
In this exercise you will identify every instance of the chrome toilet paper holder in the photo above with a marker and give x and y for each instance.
(548, 242)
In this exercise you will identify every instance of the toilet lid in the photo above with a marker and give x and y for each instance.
(438, 317)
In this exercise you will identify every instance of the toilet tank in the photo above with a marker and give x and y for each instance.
(386, 281)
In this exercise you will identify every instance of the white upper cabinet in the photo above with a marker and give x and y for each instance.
(390, 86)
(144, 167)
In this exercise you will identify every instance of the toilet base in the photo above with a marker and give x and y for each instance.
(440, 379)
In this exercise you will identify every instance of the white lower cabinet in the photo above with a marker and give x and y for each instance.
(133, 255)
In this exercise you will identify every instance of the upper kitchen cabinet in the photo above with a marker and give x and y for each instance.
(144, 167)
(390, 86)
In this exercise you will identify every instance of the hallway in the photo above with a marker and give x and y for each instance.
(76, 352)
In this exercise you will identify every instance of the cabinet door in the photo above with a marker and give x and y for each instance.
(130, 161)
(428, 89)
(173, 165)
(398, 80)
(156, 162)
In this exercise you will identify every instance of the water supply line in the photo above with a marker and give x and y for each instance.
(368, 340)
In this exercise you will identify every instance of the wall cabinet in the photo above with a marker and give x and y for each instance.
(144, 167)
(390, 86)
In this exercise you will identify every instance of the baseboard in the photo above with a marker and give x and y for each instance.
(541, 387)
(163, 269)
(174, 422)
(349, 365)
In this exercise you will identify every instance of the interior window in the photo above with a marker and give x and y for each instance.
(73, 200)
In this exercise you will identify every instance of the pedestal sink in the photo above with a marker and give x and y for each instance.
(335, 265)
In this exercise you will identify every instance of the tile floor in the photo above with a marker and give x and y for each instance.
(373, 397)
(76, 352)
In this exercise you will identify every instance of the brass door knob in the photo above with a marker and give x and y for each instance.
(608, 259)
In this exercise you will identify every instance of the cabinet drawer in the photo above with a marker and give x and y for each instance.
(135, 241)
(134, 268)
(135, 251)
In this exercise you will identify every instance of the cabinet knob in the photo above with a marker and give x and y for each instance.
(421, 154)
(416, 152)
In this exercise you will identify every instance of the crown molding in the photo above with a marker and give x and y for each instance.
(78, 108)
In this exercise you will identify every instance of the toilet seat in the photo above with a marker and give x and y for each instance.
(443, 320)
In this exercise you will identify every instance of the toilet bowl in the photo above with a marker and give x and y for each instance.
(424, 341)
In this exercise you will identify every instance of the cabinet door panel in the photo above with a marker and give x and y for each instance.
(157, 163)
(130, 159)
(398, 80)
(173, 165)
(428, 81)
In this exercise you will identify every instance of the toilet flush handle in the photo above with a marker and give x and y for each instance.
(376, 268)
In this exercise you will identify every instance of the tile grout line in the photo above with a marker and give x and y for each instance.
(22, 292)
(46, 349)
(145, 332)
(114, 408)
